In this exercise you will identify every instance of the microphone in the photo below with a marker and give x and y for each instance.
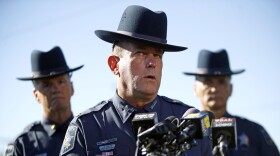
(197, 125)
(140, 123)
(190, 111)
(194, 125)
(156, 139)
(223, 135)
(159, 129)
(143, 121)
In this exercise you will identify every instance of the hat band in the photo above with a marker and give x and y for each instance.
(215, 71)
(49, 72)
(152, 38)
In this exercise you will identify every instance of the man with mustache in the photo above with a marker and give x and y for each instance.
(53, 89)
(213, 87)
(136, 62)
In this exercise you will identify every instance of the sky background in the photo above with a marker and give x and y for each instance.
(248, 29)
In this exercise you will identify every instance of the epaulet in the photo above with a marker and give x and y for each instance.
(95, 108)
(172, 100)
(27, 129)
(31, 126)
(247, 121)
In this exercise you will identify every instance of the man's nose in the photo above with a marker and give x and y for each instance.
(55, 88)
(151, 62)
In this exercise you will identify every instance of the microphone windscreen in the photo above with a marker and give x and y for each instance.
(144, 121)
(225, 127)
(210, 114)
(190, 111)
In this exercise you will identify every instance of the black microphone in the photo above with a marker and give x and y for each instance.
(223, 135)
(143, 121)
(155, 140)
(159, 129)
(195, 125)
(171, 123)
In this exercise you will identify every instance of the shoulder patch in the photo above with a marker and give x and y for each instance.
(69, 140)
(9, 150)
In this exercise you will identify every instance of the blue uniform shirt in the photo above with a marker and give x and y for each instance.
(252, 139)
(106, 129)
(39, 139)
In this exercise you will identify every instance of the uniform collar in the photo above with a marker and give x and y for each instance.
(51, 127)
(126, 110)
(227, 115)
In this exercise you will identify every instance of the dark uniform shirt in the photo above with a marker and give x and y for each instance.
(106, 129)
(252, 139)
(41, 138)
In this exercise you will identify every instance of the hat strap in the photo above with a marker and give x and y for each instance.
(152, 38)
(49, 72)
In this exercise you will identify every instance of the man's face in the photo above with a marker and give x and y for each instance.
(140, 69)
(213, 91)
(54, 93)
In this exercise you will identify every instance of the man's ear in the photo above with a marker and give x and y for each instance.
(113, 64)
(195, 88)
(36, 95)
(72, 88)
(230, 89)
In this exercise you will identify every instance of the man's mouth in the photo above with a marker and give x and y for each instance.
(150, 77)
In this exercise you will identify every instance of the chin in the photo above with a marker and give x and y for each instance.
(149, 91)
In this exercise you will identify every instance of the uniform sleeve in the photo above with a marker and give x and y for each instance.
(73, 144)
(19, 146)
(267, 146)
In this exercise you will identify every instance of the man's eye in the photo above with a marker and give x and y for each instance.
(140, 53)
(207, 80)
(222, 82)
(158, 55)
(46, 85)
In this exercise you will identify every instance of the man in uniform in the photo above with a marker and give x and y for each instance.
(213, 87)
(53, 89)
(136, 62)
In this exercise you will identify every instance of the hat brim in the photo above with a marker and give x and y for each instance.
(215, 73)
(111, 37)
(51, 75)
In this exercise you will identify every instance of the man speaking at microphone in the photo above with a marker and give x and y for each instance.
(213, 87)
(136, 62)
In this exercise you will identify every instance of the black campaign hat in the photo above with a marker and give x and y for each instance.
(213, 64)
(48, 64)
(141, 24)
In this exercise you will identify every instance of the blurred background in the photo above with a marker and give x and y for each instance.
(248, 30)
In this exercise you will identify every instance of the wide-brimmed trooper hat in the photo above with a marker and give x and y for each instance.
(213, 64)
(48, 64)
(141, 24)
